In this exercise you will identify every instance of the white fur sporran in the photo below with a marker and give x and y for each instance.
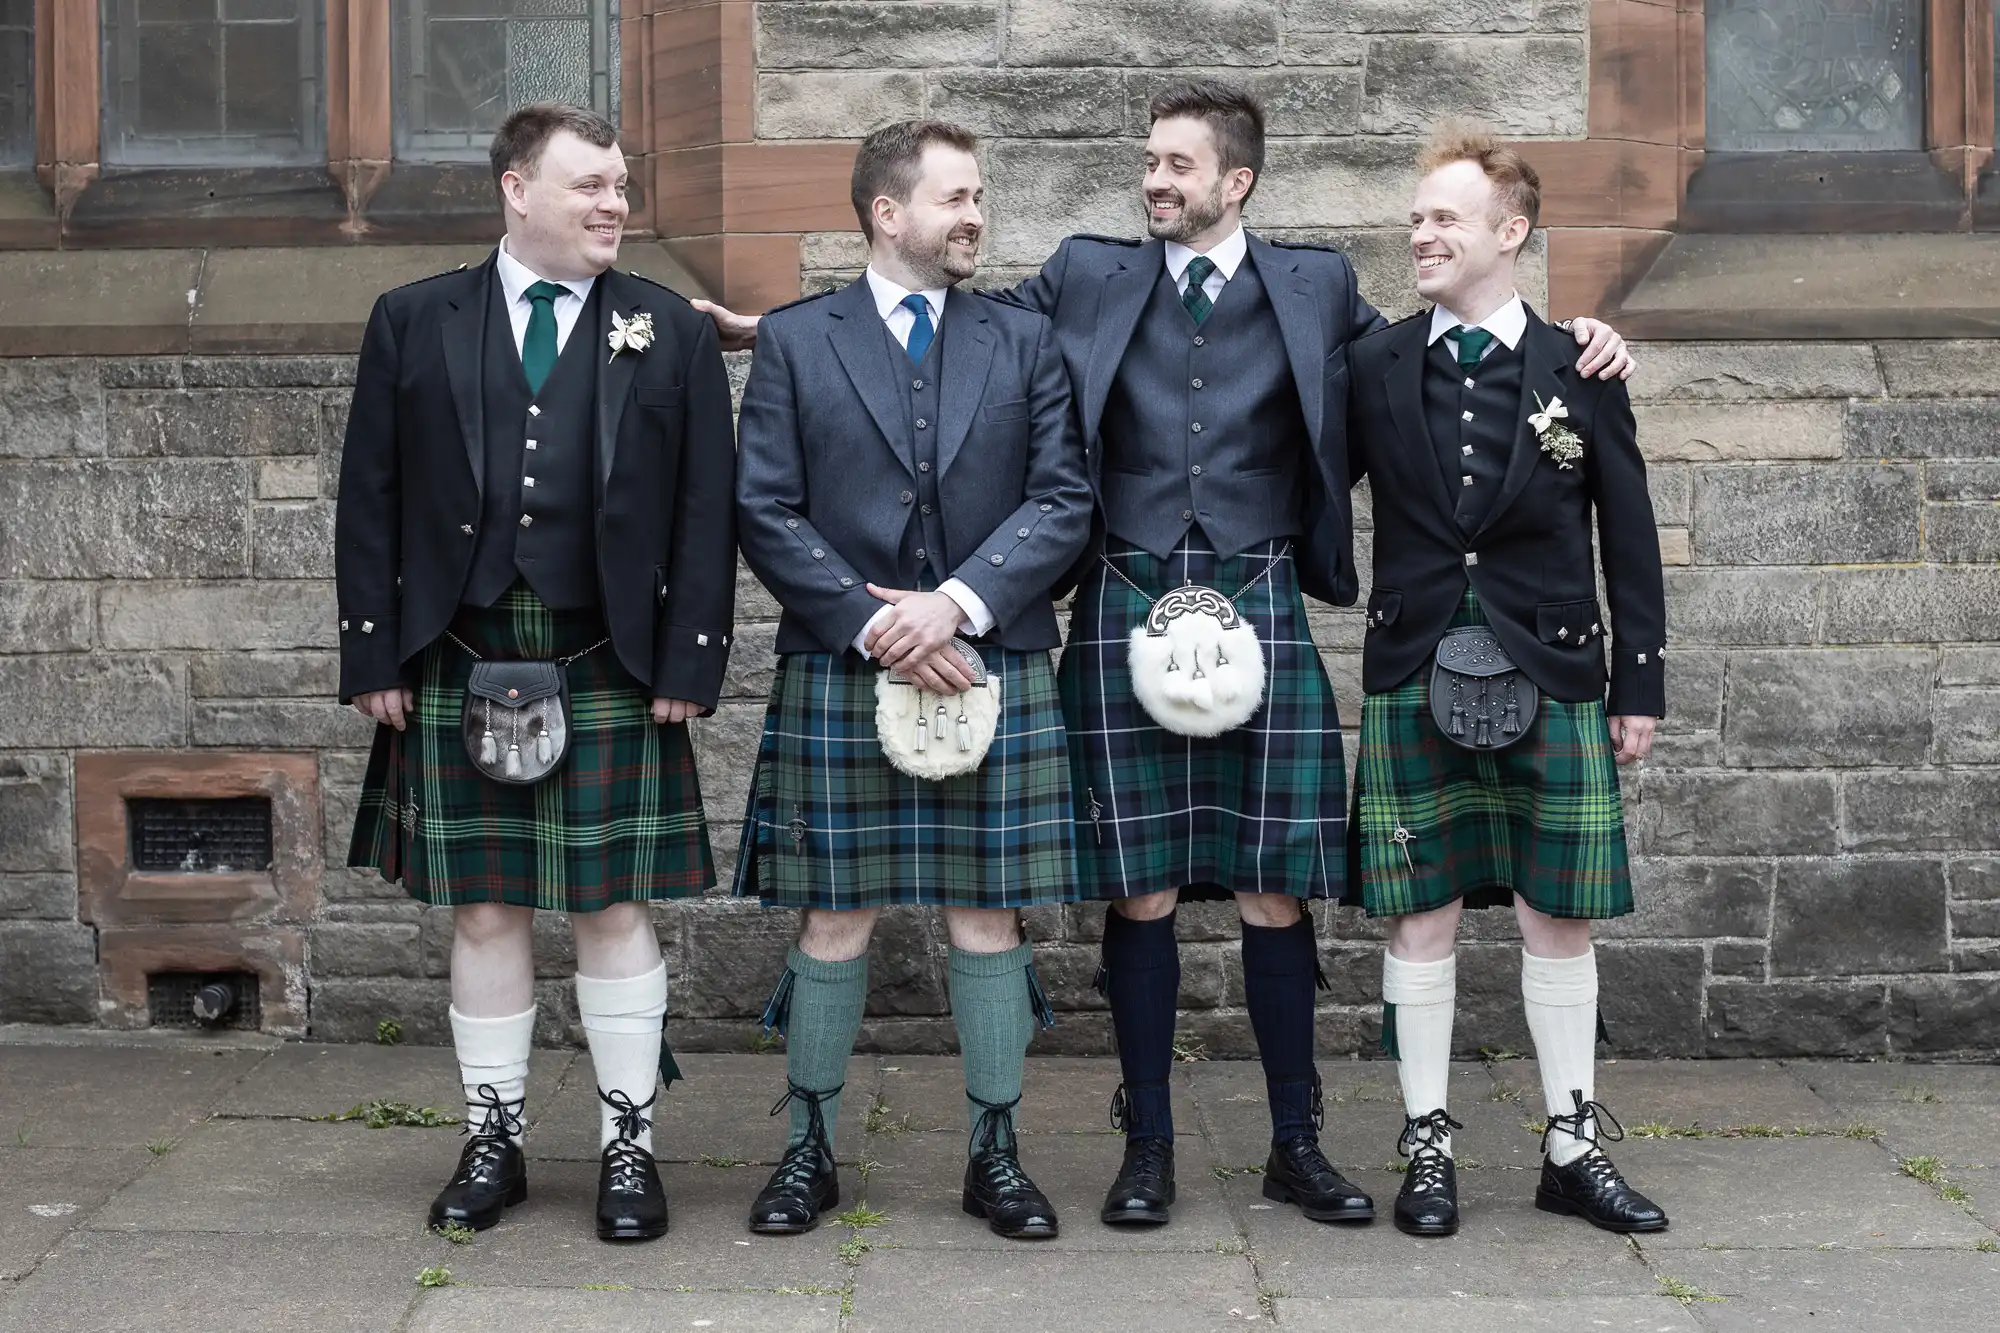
(1196, 664)
(937, 736)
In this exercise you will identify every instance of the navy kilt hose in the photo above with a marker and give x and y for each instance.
(620, 821)
(1260, 809)
(832, 824)
(1541, 818)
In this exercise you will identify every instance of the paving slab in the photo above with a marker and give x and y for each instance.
(97, 1282)
(1341, 1081)
(287, 1177)
(1017, 1289)
(1485, 1314)
(45, 1193)
(456, 1309)
(1790, 1194)
(920, 1183)
(1059, 1095)
(1965, 1135)
(303, 1081)
(551, 1239)
(102, 1096)
(1505, 1246)
(720, 1110)
(1878, 1291)
(1911, 1084)
(1363, 1135)
(1710, 1093)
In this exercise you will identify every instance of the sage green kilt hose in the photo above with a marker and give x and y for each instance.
(620, 821)
(831, 823)
(1541, 818)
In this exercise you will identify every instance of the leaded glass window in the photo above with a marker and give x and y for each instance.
(17, 82)
(213, 82)
(1815, 75)
(462, 65)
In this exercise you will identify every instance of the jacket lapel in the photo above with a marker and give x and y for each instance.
(967, 356)
(617, 294)
(857, 335)
(1118, 311)
(464, 335)
(1299, 323)
(1546, 362)
(1405, 382)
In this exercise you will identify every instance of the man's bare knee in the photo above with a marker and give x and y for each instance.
(1148, 906)
(983, 929)
(1547, 936)
(483, 924)
(837, 937)
(1426, 937)
(1270, 910)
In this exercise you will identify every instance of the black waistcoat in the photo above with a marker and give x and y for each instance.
(1203, 424)
(1471, 419)
(538, 519)
(922, 556)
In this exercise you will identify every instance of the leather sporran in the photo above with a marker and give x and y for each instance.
(1479, 699)
(937, 736)
(516, 721)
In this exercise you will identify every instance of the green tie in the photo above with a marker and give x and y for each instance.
(1472, 344)
(538, 348)
(1195, 298)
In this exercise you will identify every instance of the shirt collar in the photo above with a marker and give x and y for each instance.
(1227, 255)
(516, 278)
(1507, 323)
(888, 295)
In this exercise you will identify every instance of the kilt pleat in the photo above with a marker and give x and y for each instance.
(621, 821)
(1542, 818)
(832, 824)
(1258, 809)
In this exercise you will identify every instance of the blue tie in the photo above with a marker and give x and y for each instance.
(922, 331)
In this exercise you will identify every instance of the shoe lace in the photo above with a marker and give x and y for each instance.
(993, 1146)
(801, 1160)
(628, 1163)
(1149, 1156)
(631, 1121)
(1307, 1161)
(1585, 1123)
(1419, 1143)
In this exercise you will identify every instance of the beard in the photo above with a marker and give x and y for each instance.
(1196, 216)
(933, 261)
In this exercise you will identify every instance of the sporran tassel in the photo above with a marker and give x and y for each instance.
(964, 731)
(1511, 723)
(544, 747)
(1457, 709)
(942, 720)
(514, 760)
(489, 749)
(923, 730)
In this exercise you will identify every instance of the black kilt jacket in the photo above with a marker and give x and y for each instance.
(1529, 559)
(412, 478)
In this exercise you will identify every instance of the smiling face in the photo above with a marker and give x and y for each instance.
(934, 238)
(566, 213)
(1462, 240)
(1189, 197)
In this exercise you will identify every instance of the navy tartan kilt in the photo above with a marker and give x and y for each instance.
(1261, 809)
(620, 821)
(832, 824)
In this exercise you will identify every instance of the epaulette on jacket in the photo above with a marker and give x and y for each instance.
(803, 300)
(1131, 242)
(418, 282)
(655, 282)
(1305, 245)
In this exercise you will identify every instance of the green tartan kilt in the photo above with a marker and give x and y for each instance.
(620, 821)
(1541, 818)
(831, 823)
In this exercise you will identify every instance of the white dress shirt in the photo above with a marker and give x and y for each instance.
(1227, 255)
(1507, 325)
(516, 278)
(901, 319)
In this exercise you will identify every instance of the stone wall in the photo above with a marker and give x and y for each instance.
(1818, 837)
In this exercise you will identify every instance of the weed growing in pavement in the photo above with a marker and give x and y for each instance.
(161, 1147)
(764, 1040)
(604, 1286)
(379, 1114)
(456, 1232)
(861, 1216)
(388, 1032)
(1687, 1293)
(1988, 1245)
(1188, 1048)
(1923, 1094)
(437, 1275)
(710, 1159)
(853, 1248)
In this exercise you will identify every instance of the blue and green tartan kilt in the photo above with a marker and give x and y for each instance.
(1541, 818)
(832, 824)
(1260, 809)
(620, 821)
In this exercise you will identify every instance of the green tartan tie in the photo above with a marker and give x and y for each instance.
(538, 347)
(1472, 344)
(1195, 298)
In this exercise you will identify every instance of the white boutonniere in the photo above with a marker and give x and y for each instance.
(634, 334)
(1559, 442)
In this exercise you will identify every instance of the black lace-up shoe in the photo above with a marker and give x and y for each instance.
(996, 1188)
(1427, 1205)
(1590, 1187)
(492, 1173)
(806, 1183)
(1299, 1173)
(631, 1201)
(1144, 1190)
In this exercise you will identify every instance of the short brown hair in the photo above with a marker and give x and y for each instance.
(518, 143)
(1517, 187)
(891, 162)
(1233, 115)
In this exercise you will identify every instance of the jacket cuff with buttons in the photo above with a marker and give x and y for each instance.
(369, 656)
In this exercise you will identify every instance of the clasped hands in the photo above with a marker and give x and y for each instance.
(915, 638)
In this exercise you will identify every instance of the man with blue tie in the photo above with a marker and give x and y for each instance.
(910, 487)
